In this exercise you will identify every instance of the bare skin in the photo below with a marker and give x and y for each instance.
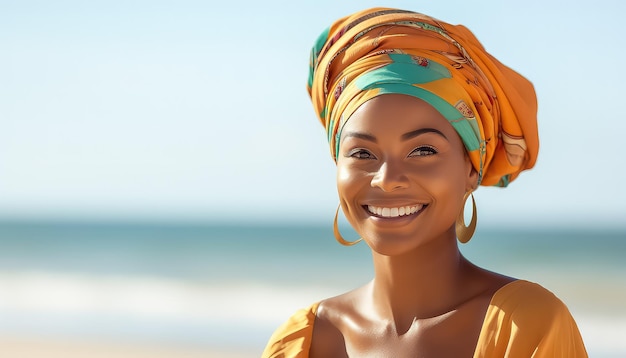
(426, 299)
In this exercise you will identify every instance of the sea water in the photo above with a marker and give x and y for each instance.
(225, 286)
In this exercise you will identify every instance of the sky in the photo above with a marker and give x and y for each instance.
(186, 110)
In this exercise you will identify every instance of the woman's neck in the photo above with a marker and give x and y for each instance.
(420, 284)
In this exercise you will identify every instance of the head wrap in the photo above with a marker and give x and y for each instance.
(382, 50)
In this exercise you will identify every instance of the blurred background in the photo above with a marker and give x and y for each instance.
(166, 189)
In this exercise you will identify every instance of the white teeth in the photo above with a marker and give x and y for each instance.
(394, 212)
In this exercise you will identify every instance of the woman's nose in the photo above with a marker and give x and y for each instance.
(390, 177)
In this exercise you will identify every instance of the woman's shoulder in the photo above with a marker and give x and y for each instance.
(524, 317)
(332, 315)
(526, 304)
(293, 337)
(521, 297)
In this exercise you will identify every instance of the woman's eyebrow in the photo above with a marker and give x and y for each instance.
(415, 133)
(360, 135)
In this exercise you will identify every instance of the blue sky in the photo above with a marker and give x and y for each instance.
(181, 110)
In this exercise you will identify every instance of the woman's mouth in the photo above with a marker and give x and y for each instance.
(394, 212)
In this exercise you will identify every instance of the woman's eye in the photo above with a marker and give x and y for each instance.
(423, 151)
(361, 154)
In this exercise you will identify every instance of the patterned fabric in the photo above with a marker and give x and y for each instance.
(382, 50)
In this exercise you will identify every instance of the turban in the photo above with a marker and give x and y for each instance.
(382, 50)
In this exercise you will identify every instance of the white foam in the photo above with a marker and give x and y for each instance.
(149, 297)
(603, 335)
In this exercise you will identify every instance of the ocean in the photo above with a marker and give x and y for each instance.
(226, 286)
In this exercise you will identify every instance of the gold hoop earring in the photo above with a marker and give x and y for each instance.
(465, 233)
(338, 236)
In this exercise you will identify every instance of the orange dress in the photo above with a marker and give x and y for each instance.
(523, 320)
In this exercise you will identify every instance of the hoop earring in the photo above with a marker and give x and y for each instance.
(464, 233)
(338, 236)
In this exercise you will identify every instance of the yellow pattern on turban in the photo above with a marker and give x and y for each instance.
(382, 50)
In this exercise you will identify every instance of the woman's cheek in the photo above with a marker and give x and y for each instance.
(345, 179)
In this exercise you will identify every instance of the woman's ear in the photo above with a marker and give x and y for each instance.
(473, 179)
(472, 176)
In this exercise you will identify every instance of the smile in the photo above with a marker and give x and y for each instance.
(394, 212)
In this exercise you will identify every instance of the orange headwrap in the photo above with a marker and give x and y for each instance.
(382, 50)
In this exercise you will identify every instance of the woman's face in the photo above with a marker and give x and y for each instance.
(401, 173)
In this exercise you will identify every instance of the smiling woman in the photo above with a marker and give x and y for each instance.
(418, 115)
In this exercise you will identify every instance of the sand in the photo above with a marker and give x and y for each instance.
(19, 347)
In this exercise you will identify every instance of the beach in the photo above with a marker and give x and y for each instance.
(162, 290)
(57, 348)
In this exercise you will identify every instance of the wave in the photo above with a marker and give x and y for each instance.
(147, 308)
(144, 296)
(159, 309)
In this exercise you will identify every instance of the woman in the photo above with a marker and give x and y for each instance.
(418, 115)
